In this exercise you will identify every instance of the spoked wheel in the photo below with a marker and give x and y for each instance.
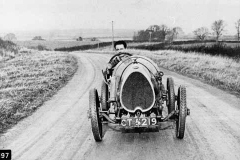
(171, 95)
(94, 106)
(182, 107)
(104, 96)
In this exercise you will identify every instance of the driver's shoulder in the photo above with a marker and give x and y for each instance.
(125, 53)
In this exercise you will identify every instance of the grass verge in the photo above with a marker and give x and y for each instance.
(218, 71)
(226, 49)
(221, 72)
(30, 79)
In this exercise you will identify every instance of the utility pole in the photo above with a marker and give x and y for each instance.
(150, 34)
(150, 38)
(112, 37)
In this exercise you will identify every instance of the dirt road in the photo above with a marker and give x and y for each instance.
(60, 128)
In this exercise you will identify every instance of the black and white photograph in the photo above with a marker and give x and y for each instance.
(119, 79)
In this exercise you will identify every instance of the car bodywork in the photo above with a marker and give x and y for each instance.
(134, 85)
(134, 97)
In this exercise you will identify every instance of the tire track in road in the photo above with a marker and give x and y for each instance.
(212, 130)
(14, 132)
(60, 128)
(214, 123)
(43, 137)
(70, 144)
(69, 131)
(31, 139)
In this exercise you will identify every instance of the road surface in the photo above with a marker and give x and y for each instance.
(60, 128)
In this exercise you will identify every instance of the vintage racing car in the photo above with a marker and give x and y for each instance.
(134, 97)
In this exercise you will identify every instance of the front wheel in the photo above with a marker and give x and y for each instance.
(171, 95)
(182, 112)
(94, 106)
(104, 96)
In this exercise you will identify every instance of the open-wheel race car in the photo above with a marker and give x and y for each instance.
(134, 97)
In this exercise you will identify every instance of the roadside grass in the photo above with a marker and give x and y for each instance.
(28, 80)
(225, 48)
(227, 44)
(218, 71)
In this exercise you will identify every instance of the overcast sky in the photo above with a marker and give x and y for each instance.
(24, 15)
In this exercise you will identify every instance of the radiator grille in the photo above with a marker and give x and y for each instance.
(137, 92)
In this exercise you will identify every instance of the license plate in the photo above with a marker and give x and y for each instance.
(138, 122)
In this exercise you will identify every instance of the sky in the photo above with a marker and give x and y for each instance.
(30, 15)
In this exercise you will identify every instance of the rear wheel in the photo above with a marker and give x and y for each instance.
(94, 106)
(104, 96)
(171, 95)
(182, 107)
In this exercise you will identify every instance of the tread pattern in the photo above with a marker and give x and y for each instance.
(104, 96)
(94, 114)
(182, 107)
(171, 95)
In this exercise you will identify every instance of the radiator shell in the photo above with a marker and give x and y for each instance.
(137, 89)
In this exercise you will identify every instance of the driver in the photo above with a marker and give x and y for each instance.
(119, 47)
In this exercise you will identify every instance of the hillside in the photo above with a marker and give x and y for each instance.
(72, 34)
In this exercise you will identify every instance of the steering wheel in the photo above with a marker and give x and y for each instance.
(119, 56)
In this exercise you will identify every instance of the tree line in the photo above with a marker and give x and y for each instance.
(163, 33)
(158, 33)
(218, 28)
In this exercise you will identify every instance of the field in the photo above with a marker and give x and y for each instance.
(186, 43)
(51, 45)
(134, 44)
(209, 44)
(216, 70)
(226, 49)
(28, 80)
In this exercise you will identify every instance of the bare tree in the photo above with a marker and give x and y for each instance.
(173, 33)
(38, 38)
(164, 29)
(201, 33)
(154, 28)
(237, 24)
(10, 37)
(157, 33)
(218, 28)
(177, 31)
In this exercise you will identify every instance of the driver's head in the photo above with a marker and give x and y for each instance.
(120, 45)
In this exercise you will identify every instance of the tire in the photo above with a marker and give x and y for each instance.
(182, 107)
(171, 95)
(94, 115)
(104, 96)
